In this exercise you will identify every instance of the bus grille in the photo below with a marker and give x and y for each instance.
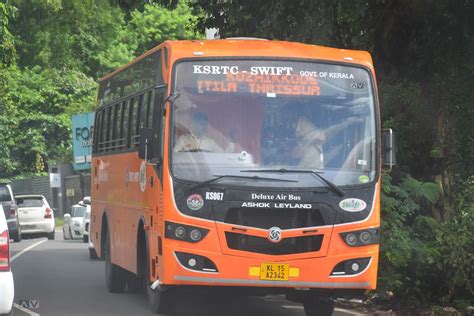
(262, 245)
(282, 218)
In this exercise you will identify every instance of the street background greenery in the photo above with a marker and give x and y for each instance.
(52, 53)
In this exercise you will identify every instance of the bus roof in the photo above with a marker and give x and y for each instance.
(240, 47)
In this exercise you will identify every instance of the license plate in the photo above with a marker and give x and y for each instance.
(274, 271)
(28, 226)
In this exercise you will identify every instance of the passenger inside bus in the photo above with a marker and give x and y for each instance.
(309, 148)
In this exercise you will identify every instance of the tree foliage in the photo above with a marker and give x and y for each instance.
(422, 260)
(51, 54)
(36, 116)
(7, 47)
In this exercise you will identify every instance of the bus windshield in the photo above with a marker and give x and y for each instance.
(231, 116)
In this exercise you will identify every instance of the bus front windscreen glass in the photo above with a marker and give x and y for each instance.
(234, 117)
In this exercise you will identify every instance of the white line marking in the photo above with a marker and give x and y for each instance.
(27, 248)
(25, 310)
(292, 306)
(342, 310)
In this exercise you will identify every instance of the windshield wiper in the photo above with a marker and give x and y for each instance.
(330, 185)
(256, 178)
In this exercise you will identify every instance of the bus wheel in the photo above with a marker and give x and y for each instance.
(160, 300)
(318, 306)
(134, 283)
(115, 277)
(93, 254)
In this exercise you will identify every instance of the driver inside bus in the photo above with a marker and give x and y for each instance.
(309, 150)
(196, 139)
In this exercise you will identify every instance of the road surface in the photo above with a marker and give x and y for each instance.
(56, 277)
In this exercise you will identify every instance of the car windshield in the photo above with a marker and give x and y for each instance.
(29, 202)
(235, 115)
(78, 211)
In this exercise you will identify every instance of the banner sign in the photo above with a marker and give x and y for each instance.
(82, 128)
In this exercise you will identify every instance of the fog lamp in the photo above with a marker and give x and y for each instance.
(355, 267)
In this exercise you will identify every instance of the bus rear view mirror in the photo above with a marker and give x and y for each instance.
(145, 148)
(388, 149)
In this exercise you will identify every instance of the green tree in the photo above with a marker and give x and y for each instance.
(36, 118)
(148, 28)
(65, 34)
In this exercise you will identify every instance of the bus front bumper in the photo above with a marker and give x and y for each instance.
(245, 271)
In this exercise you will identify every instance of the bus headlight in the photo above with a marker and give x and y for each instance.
(363, 237)
(351, 239)
(195, 235)
(180, 232)
(184, 232)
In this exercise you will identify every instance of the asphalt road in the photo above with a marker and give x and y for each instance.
(64, 281)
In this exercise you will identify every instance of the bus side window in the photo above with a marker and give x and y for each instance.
(103, 131)
(133, 123)
(109, 128)
(115, 131)
(125, 122)
(96, 132)
(149, 108)
(143, 112)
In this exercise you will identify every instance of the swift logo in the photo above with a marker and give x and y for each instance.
(274, 234)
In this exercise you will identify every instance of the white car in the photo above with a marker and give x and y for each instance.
(74, 222)
(7, 289)
(86, 221)
(35, 215)
(86, 233)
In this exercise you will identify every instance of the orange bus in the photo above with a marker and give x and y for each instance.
(241, 164)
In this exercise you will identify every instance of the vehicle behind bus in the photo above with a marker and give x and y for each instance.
(246, 165)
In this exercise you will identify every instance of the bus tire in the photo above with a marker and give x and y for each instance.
(134, 284)
(93, 254)
(160, 300)
(115, 277)
(315, 306)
